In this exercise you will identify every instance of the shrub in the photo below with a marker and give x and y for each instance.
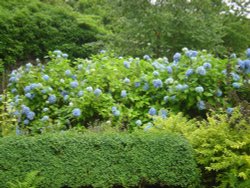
(29, 29)
(71, 159)
(221, 144)
(122, 90)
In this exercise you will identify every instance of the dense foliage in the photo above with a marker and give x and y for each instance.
(99, 160)
(65, 94)
(29, 29)
(221, 144)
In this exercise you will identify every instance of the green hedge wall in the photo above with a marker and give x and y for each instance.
(99, 159)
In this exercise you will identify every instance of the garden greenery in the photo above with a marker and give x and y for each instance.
(70, 159)
(126, 91)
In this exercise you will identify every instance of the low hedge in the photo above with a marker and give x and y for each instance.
(99, 160)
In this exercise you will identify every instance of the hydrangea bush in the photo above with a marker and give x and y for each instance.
(127, 92)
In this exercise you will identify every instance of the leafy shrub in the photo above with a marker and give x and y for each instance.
(222, 146)
(66, 93)
(99, 160)
(29, 29)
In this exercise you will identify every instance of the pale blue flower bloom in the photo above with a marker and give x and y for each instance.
(235, 76)
(116, 113)
(152, 111)
(219, 93)
(27, 89)
(65, 55)
(166, 98)
(191, 53)
(89, 89)
(146, 87)
(189, 72)
(25, 109)
(169, 69)
(80, 93)
(137, 84)
(113, 108)
(45, 118)
(74, 77)
(199, 89)
(97, 92)
(177, 57)
(65, 97)
(126, 80)
(13, 79)
(236, 85)
(26, 122)
(149, 126)
(157, 83)
(138, 122)
(248, 52)
(29, 65)
(146, 57)
(30, 115)
(45, 109)
(201, 71)
(14, 90)
(169, 81)
(163, 113)
(123, 93)
(74, 84)
(173, 98)
(18, 131)
(29, 95)
(52, 99)
(201, 105)
(156, 73)
(46, 77)
(76, 112)
(233, 56)
(224, 72)
(80, 67)
(126, 64)
(207, 65)
(230, 110)
(68, 73)
(57, 52)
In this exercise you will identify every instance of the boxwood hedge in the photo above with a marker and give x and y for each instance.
(99, 159)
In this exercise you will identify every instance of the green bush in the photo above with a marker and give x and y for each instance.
(100, 160)
(29, 29)
(221, 144)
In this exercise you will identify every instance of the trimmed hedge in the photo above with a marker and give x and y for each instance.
(99, 160)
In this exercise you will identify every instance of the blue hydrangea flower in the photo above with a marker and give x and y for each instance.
(65, 55)
(80, 93)
(173, 98)
(224, 72)
(116, 113)
(230, 110)
(46, 77)
(169, 81)
(74, 84)
(68, 73)
(137, 84)
(126, 80)
(13, 79)
(25, 109)
(189, 72)
(199, 89)
(14, 90)
(235, 76)
(138, 122)
(177, 57)
(233, 56)
(201, 105)
(146, 57)
(207, 65)
(29, 95)
(26, 122)
(16, 113)
(113, 108)
(166, 98)
(236, 85)
(27, 89)
(191, 53)
(52, 99)
(97, 92)
(76, 112)
(65, 97)
(152, 111)
(248, 52)
(57, 52)
(126, 64)
(45, 109)
(219, 93)
(163, 113)
(146, 87)
(123, 93)
(156, 73)
(102, 51)
(201, 71)
(149, 126)
(169, 69)
(80, 67)
(45, 118)
(157, 83)
(29, 65)
(89, 89)
(31, 115)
